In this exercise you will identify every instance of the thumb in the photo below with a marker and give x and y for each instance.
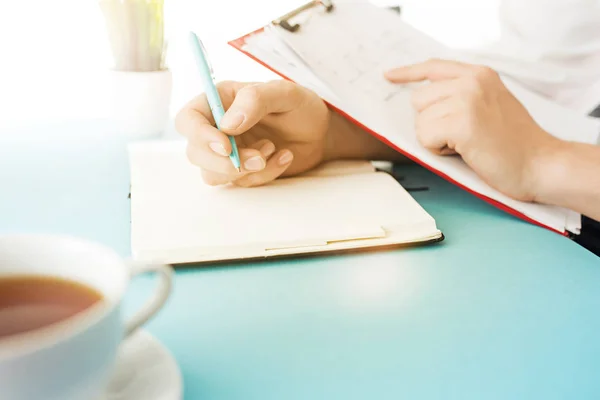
(254, 102)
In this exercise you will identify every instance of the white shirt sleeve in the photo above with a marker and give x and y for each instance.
(558, 36)
(551, 46)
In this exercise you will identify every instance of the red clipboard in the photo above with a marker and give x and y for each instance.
(239, 43)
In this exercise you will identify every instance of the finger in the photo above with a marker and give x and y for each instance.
(251, 160)
(265, 146)
(275, 167)
(427, 95)
(433, 70)
(214, 178)
(211, 177)
(210, 139)
(197, 114)
(253, 102)
(195, 120)
(447, 151)
(434, 128)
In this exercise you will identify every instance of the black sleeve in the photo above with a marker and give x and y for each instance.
(590, 229)
(590, 235)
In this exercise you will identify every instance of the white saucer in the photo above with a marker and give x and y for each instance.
(145, 370)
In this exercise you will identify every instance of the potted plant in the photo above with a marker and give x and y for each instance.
(141, 82)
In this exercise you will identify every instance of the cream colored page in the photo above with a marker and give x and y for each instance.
(358, 42)
(173, 209)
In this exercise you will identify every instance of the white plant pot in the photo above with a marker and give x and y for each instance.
(140, 102)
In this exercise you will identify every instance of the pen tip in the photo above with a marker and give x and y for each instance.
(239, 169)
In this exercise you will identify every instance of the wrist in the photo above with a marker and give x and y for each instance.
(332, 137)
(551, 168)
(568, 177)
(345, 140)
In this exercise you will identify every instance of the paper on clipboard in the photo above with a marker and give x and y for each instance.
(342, 55)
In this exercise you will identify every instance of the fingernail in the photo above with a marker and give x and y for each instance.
(267, 149)
(255, 163)
(218, 148)
(232, 121)
(286, 158)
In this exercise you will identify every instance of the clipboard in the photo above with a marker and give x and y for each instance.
(284, 20)
(554, 118)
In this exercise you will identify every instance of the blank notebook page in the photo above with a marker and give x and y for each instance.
(173, 210)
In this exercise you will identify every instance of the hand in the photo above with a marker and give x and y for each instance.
(467, 109)
(279, 127)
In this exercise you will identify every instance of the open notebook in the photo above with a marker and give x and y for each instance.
(176, 218)
(342, 53)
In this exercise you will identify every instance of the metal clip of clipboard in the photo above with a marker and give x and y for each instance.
(284, 22)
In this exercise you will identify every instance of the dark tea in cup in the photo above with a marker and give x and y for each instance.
(61, 324)
(30, 302)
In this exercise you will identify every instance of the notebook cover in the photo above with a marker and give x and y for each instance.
(238, 44)
(307, 255)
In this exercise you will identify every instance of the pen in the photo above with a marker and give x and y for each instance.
(214, 101)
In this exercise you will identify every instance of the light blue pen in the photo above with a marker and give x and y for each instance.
(214, 101)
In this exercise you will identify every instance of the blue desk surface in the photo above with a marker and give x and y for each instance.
(500, 310)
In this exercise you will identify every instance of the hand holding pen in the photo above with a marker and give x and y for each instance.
(280, 129)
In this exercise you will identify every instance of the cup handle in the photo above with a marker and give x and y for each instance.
(157, 301)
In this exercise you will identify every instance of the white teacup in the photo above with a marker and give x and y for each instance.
(71, 359)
